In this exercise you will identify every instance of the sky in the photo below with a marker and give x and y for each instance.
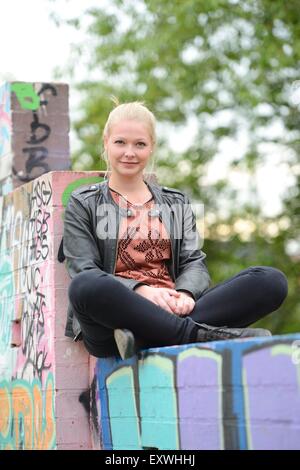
(32, 46)
(30, 43)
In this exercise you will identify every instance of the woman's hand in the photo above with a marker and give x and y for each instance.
(161, 296)
(179, 303)
(184, 304)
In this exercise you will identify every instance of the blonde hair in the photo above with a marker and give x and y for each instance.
(135, 110)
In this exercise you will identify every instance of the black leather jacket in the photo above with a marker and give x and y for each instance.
(91, 227)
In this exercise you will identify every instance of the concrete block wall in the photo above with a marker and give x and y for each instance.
(34, 131)
(242, 394)
(42, 373)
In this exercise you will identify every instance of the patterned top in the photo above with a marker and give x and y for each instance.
(143, 246)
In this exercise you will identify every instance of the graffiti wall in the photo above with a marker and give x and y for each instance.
(228, 395)
(26, 324)
(42, 373)
(5, 140)
(34, 132)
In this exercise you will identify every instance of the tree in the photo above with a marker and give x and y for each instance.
(233, 67)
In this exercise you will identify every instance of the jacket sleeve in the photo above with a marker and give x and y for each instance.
(80, 244)
(193, 275)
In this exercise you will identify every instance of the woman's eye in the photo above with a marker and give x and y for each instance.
(142, 144)
(119, 142)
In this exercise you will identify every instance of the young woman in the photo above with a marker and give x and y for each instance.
(138, 276)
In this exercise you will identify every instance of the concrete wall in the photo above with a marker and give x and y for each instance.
(34, 131)
(242, 394)
(42, 373)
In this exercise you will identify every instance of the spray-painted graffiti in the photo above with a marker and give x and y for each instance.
(27, 388)
(26, 95)
(237, 395)
(34, 281)
(6, 304)
(77, 183)
(35, 153)
(27, 419)
(34, 348)
(5, 119)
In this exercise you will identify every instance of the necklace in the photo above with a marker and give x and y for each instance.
(139, 204)
(131, 211)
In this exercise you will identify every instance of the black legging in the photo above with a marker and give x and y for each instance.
(101, 304)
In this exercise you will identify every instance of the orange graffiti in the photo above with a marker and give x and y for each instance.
(44, 428)
(23, 411)
(5, 411)
(27, 418)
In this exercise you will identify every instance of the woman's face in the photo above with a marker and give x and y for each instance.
(128, 147)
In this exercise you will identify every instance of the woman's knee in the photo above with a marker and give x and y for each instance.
(87, 284)
(274, 284)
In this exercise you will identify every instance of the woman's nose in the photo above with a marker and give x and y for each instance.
(129, 151)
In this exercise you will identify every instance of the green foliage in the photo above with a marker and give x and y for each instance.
(195, 58)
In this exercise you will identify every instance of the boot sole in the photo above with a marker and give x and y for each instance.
(259, 332)
(125, 342)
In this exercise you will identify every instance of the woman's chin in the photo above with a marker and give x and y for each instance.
(129, 173)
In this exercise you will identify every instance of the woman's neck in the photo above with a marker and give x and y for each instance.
(124, 186)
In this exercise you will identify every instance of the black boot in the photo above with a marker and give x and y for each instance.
(125, 342)
(216, 333)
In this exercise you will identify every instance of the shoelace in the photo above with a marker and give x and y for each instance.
(223, 332)
(217, 332)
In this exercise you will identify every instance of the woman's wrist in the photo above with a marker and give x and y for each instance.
(141, 288)
(189, 294)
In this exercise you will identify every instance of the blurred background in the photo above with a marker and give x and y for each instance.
(222, 78)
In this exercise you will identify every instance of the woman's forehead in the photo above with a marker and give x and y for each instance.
(130, 128)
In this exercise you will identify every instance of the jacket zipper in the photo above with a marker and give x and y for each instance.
(172, 253)
(117, 243)
(116, 255)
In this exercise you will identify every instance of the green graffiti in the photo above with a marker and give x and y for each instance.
(158, 403)
(6, 304)
(123, 413)
(26, 95)
(75, 184)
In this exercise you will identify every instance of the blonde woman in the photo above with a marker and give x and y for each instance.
(139, 279)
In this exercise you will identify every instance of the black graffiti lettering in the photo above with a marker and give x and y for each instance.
(38, 222)
(41, 361)
(40, 132)
(38, 309)
(32, 333)
(36, 155)
(35, 126)
(27, 332)
(41, 196)
(39, 249)
(32, 278)
(34, 242)
(47, 86)
(46, 193)
(41, 222)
